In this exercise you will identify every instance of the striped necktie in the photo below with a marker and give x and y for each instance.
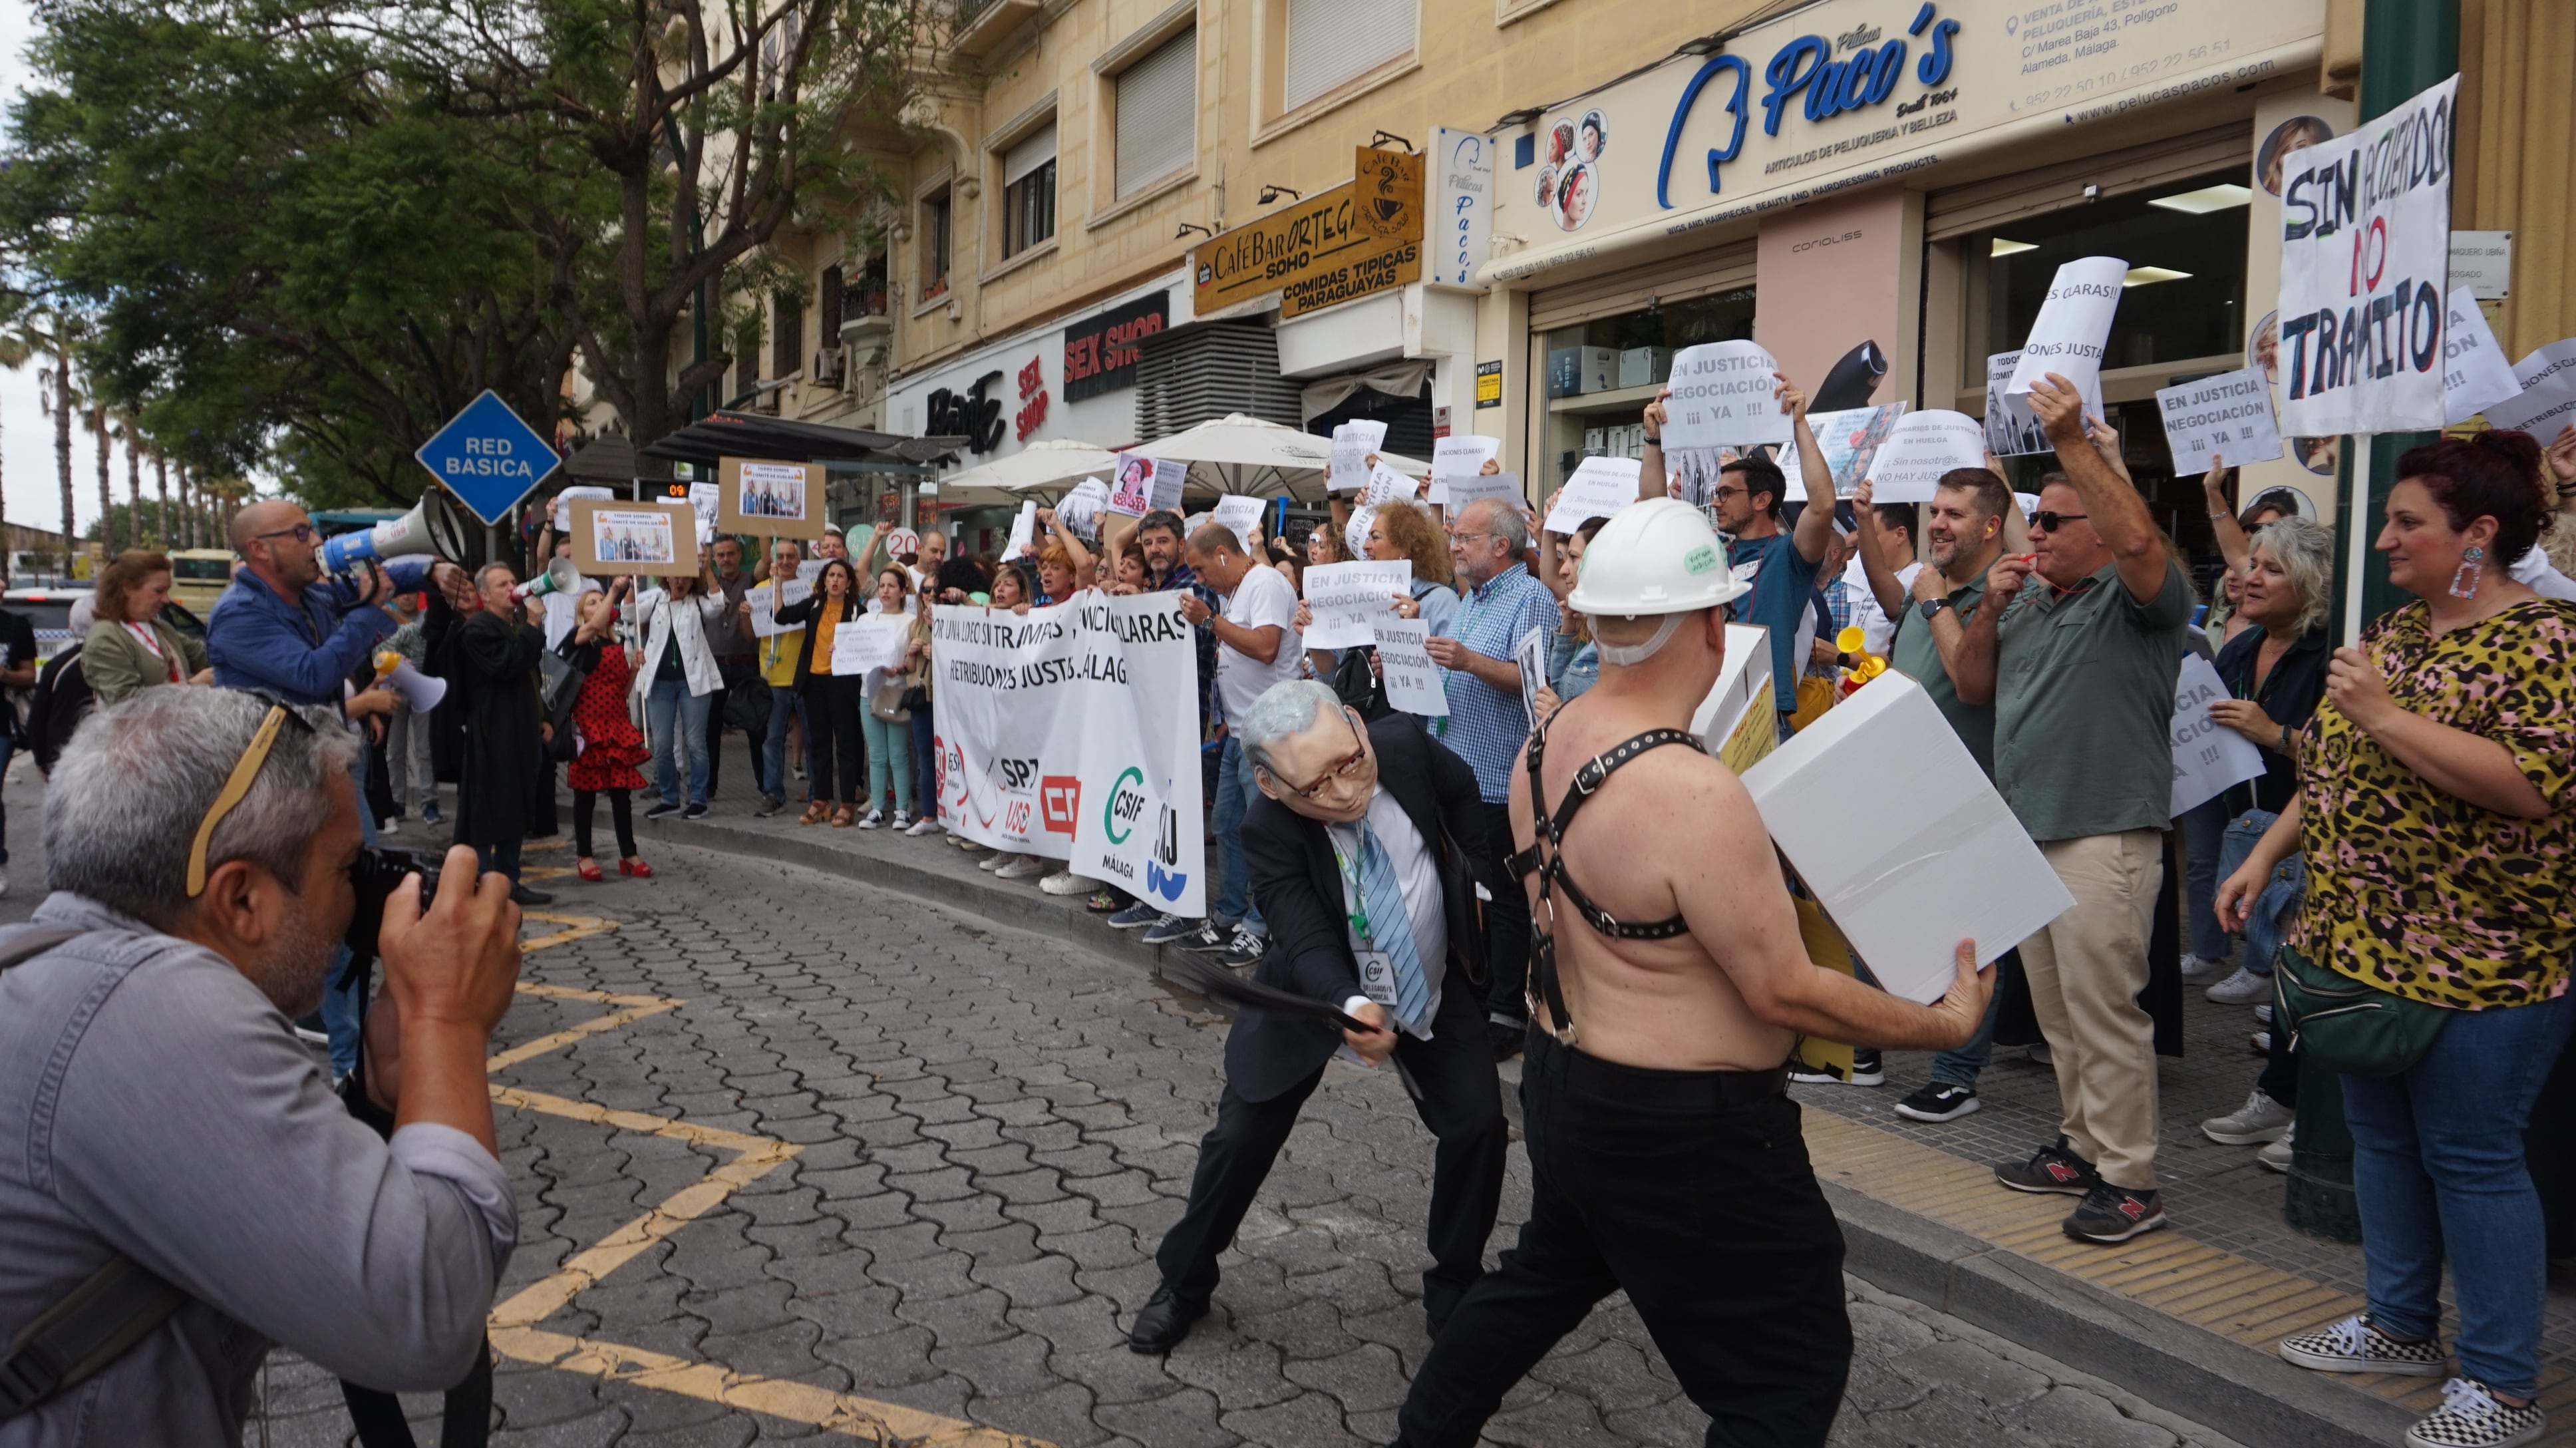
(1391, 929)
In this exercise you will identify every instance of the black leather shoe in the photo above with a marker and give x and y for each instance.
(522, 895)
(1164, 1322)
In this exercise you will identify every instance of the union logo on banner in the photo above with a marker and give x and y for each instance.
(1061, 797)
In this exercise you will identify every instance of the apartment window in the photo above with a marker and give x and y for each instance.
(746, 359)
(1331, 42)
(1158, 103)
(933, 249)
(786, 334)
(830, 305)
(866, 297)
(1028, 191)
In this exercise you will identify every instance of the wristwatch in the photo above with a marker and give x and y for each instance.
(1931, 606)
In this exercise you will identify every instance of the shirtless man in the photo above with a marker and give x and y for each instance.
(1665, 1153)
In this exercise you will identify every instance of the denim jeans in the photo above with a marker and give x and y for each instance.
(2438, 1170)
(1962, 1065)
(889, 761)
(500, 859)
(925, 762)
(2269, 921)
(784, 704)
(678, 721)
(407, 745)
(2204, 828)
(1235, 793)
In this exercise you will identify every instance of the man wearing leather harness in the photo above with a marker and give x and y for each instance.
(1668, 987)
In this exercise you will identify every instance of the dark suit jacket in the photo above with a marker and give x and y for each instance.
(1298, 888)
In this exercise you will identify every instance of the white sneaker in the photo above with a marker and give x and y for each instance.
(1065, 882)
(902, 819)
(995, 860)
(1021, 867)
(2203, 967)
(2243, 988)
(390, 827)
(2276, 1157)
(923, 826)
(2470, 1417)
(874, 819)
(2260, 1119)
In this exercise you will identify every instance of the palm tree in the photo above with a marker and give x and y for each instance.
(161, 477)
(131, 436)
(106, 495)
(60, 399)
(15, 349)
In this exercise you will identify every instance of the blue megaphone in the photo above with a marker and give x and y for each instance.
(406, 546)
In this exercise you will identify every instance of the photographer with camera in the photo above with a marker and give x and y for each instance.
(179, 1187)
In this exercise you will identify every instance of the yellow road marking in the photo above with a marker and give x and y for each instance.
(514, 1326)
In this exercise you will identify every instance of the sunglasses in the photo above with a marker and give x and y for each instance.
(237, 786)
(2048, 522)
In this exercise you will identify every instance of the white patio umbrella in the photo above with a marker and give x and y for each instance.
(1239, 454)
(1054, 463)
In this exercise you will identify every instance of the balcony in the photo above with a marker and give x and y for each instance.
(981, 26)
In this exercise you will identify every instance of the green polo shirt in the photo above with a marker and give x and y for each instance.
(1914, 653)
(2084, 701)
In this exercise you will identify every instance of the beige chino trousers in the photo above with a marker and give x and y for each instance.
(2086, 969)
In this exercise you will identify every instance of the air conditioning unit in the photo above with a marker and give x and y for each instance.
(827, 367)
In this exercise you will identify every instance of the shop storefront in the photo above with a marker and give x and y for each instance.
(1908, 175)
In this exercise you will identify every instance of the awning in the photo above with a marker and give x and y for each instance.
(753, 435)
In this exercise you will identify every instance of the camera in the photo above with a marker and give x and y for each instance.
(378, 871)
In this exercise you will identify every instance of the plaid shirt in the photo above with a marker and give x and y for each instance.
(1486, 725)
(1838, 609)
(1183, 576)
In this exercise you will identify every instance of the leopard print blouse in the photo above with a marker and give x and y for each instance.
(2413, 891)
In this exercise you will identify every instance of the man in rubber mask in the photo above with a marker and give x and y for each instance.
(1667, 987)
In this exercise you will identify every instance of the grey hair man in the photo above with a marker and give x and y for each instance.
(1487, 716)
(1363, 843)
(199, 843)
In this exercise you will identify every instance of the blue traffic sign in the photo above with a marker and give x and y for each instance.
(487, 457)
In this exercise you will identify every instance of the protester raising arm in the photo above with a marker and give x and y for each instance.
(1972, 665)
(1816, 520)
(1073, 546)
(1653, 479)
(2232, 543)
(2114, 508)
(1873, 555)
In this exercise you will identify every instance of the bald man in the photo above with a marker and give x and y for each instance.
(279, 628)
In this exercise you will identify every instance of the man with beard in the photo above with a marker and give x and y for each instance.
(176, 1148)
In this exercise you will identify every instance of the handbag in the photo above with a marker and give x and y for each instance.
(2348, 1025)
(560, 690)
(887, 703)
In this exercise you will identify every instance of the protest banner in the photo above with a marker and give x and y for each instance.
(2474, 371)
(1243, 512)
(1072, 733)
(770, 499)
(1850, 440)
(2547, 402)
(1347, 599)
(1919, 449)
(1386, 485)
(1902, 838)
(1722, 398)
(1600, 488)
(2365, 257)
(2073, 325)
(2012, 429)
(869, 644)
(1478, 487)
(2207, 755)
(763, 623)
(1412, 680)
(1458, 457)
(2227, 416)
(1354, 443)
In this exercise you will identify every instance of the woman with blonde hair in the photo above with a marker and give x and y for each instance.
(129, 647)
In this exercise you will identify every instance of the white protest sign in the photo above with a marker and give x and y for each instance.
(1243, 513)
(809, 570)
(1023, 531)
(1600, 488)
(2228, 416)
(1531, 654)
(1080, 509)
(1412, 680)
(564, 499)
(1145, 485)
(2207, 755)
(1919, 449)
(1722, 398)
(2365, 259)
(1467, 491)
(762, 624)
(1347, 599)
(2012, 429)
(1458, 457)
(2474, 372)
(1355, 532)
(1169, 477)
(1072, 733)
(707, 498)
(1386, 485)
(1850, 440)
(867, 644)
(2073, 324)
(2547, 402)
(1353, 443)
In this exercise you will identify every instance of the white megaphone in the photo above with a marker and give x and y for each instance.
(418, 689)
(430, 530)
(560, 577)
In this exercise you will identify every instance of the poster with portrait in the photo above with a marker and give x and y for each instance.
(770, 499)
(657, 539)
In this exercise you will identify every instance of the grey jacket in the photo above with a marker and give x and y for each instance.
(170, 1113)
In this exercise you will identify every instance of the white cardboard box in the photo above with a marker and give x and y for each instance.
(1902, 838)
(1739, 720)
(1596, 369)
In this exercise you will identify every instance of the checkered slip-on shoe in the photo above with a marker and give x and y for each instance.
(2470, 1417)
(2356, 1345)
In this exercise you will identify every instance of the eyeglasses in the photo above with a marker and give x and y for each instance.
(237, 785)
(1722, 493)
(1346, 770)
(303, 533)
(1467, 537)
(2048, 522)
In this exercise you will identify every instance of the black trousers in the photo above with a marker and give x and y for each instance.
(832, 739)
(621, 812)
(1691, 1190)
(1507, 926)
(1461, 1101)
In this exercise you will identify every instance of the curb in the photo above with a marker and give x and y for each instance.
(2251, 1395)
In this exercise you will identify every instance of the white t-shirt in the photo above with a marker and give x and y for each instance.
(1264, 597)
(1866, 615)
(560, 617)
(2533, 572)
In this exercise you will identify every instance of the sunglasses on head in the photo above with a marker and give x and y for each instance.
(2046, 521)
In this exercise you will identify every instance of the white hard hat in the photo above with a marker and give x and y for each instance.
(1656, 557)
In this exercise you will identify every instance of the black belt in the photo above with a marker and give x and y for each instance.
(1652, 1089)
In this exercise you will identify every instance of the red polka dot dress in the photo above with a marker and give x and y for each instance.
(611, 745)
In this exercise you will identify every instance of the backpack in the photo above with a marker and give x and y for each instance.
(61, 701)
